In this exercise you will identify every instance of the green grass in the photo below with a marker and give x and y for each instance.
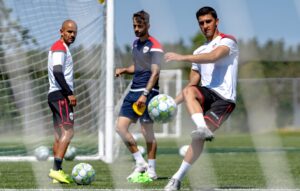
(230, 161)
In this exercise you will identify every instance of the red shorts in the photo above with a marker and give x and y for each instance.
(215, 109)
(62, 112)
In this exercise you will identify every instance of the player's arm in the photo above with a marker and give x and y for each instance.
(155, 70)
(202, 58)
(194, 79)
(127, 70)
(58, 59)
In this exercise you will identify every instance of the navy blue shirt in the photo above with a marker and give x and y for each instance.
(144, 55)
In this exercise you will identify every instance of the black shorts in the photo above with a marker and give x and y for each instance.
(62, 112)
(216, 110)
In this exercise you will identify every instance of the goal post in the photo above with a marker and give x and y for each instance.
(171, 84)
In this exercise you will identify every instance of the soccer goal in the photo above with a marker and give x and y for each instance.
(27, 30)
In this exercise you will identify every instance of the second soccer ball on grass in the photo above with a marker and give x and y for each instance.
(70, 153)
(83, 173)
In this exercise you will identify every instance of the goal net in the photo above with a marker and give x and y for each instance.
(28, 28)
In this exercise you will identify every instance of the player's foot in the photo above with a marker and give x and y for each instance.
(172, 185)
(151, 173)
(139, 168)
(54, 181)
(60, 176)
(203, 133)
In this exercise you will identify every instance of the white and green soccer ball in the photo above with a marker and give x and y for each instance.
(83, 173)
(162, 108)
(70, 153)
(42, 153)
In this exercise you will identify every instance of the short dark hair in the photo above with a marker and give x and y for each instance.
(142, 15)
(206, 10)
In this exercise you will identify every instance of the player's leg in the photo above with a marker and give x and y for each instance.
(195, 99)
(219, 111)
(122, 129)
(67, 133)
(63, 133)
(148, 133)
(57, 134)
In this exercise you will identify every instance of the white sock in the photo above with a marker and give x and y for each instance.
(138, 157)
(151, 163)
(198, 119)
(184, 167)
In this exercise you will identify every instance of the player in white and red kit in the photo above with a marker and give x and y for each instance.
(61, 99)
(215, 67)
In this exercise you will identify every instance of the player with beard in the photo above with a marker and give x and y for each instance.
(147, 57)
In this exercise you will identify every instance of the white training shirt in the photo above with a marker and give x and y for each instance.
(59, 54)
(221, 76)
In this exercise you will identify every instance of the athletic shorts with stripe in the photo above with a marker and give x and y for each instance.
(216, 110)
(62, 112)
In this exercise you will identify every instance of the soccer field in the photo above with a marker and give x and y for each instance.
(229, 162)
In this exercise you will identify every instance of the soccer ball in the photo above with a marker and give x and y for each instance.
(83, 173)
(183, 149)
(42, 153)
(70, 153)
(162, 108)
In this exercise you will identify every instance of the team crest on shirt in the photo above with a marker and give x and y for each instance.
(145, 49)
(71, 116)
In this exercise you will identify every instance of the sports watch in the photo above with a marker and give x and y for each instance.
(145, 92)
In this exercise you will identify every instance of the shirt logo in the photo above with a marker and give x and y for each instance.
(145, 49)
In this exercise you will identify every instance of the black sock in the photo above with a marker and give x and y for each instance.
(57, 164)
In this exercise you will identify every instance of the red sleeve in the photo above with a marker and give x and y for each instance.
(228, 36)
(58, 46)
(156, 45)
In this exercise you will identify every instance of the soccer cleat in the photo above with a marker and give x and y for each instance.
(54, 181)
(172, 185)
(152, 174)
(140, 178)
(139, 168)
(60, 176)
(203, 133)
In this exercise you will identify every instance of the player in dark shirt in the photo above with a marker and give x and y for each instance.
(147, 56)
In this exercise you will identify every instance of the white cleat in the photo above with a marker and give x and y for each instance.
(152, 174)
(203, 133)
(173, 185)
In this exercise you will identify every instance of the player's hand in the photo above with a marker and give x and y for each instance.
(72, 100)
(118, 72)
(171, 56)
(141, 101)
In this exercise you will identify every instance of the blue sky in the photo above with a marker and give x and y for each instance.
(244, 19)
(171, 20)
